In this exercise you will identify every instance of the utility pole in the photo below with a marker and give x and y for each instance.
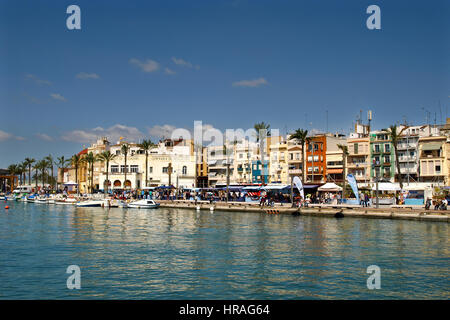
(377, 178)
(292, 191)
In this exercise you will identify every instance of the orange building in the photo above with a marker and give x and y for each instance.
(316, 164)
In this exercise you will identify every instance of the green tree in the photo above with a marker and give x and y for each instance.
(51, 164)
(395, 137)
(29, 162)
(145, 146)
(125, 150)
(75, 161)
(90, 159)
(300, 136)
(107, 157)
(262, 132)
(61, 163)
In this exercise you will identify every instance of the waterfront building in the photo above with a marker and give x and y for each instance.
(382, 156)
(171, 162)
(201, 156)
(358, 159)
(234, 158)
(279, 171)
(316, 157)
(295, 155)
(434, 165)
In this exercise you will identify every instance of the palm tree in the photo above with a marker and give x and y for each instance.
(395, 137)
(22, 170)
(37, 167)
(146, 145)
(13, 170)
(301, 136)
(345, 153)
(262, 132)
(90, 159)
(61, 163)
(43, 165)
(107, 156)
(75, 161)
(51, 163)
(125, 150)
(29, 162)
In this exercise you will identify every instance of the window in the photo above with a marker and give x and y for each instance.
(213, 153)
(184, 171)
(387, 159)
(114, 168)
(438, 168)
(297, 156)
(377, 160)
(355, 148)
(387, 147)
(241, 155)
(134, 168)
(122, 168)
(150, 170)
(117, 152)
(377, 148)
(165, 170)
(291, 155)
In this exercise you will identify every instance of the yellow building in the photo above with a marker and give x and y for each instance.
(434, 156)
(278, 161)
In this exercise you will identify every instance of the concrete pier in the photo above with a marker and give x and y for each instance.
(400, 213)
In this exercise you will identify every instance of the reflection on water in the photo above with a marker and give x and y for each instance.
(184, 254)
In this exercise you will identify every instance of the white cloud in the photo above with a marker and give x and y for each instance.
(113, 134)
(57, 96)
(164, 131)
(44, 136)
(6, 136)
(85, 75)
(183, 63)
(145, 66)
(37, 80)
(251, 83)
(169, 71)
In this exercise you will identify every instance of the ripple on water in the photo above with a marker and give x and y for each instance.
(184, 254)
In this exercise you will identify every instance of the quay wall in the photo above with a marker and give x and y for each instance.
(324, 211)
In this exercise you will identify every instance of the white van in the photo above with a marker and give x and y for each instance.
(23, 189)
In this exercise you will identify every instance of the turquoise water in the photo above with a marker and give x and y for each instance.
(184, 254)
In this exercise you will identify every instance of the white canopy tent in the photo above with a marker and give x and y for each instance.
(330, 187)
(386, 186)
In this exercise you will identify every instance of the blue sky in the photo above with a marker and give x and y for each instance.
(136, 66)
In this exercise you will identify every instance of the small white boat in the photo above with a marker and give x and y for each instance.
(40, 199)
(143, 204)
(91, 203)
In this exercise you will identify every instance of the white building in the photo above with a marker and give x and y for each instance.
(170, 163)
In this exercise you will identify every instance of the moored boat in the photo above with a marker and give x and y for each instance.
(91, 203)
(143, 204)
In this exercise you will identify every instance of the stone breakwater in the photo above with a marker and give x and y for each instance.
(338, 211)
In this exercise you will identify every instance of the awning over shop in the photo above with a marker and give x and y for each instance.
(386, 186)
(310, 186)
(276, 187)
(431, 146)
(334, 170)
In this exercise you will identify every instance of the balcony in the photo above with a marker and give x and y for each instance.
(404, 146)
(295, 171)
